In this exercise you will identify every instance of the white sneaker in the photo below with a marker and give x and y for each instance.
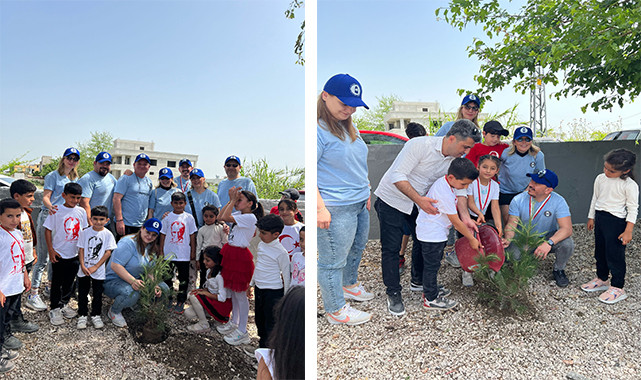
(117, 319)
(68, 312)
(467, 279)
(226, 328)
(96, 321)
(348, 316)
(199, 327)
(55, 317)
(236, 338)
(34, 302)
(82, 322)
(452, 259)
(357, 293)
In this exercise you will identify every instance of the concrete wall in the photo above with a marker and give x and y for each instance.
(576, 164)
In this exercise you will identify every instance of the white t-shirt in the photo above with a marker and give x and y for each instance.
(177, 229)
(297, 269)
(487, 195)
(434, 228)
(266, 354)
(290, 238)
(27, 235)
(95, 244)
(243, 230)
(11, 262)
(216, 285)
(272, 260)
(65, 226)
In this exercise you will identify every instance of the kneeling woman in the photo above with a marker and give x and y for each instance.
(123, 281)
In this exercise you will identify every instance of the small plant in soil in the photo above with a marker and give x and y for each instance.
(152, 313)
(507, 289)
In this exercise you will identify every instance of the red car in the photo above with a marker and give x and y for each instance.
(381, 137)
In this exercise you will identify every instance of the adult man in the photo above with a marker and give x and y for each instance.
(550, 214)
(232, 169)
(98, 187)
(419, 164)
(131, 197)
(185, 167)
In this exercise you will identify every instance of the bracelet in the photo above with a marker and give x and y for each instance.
(321, 209)
(119, 220)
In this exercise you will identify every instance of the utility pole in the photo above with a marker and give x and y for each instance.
(538, 113)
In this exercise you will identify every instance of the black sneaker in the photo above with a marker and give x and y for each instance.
(395, 304)
(560, 278)
(12, 343)
(443, 291)
(6, 365)
(416, 287)
(9, 354)
(21, 325)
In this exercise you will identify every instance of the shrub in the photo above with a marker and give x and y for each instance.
(269, 182)
(153, 310)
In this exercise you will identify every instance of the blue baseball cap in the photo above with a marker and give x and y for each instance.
(143, 156)
(471, 98)
(165, 173)
(153, 225)
(197, 172)
(545, 177)
(71, 151)
(235, 158)
(522, 132)
(184, 161)
(347, 89)
(103, 157)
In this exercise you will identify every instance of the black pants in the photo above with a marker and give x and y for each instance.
(64, 273)
(432, 256)
(609, 252)
(84, 284)
(266, 300)
(128, 231)
(7, 312)
(18, 316)
(182, 267)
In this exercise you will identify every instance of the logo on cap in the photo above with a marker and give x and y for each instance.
(523, 130)
(73, 150)
(105, 155)
(547, 213)
(163, 171)
(156, 225)
(472, 97)
(355, 89)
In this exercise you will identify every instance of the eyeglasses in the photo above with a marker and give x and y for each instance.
(73, 158)
(231, 165)
(524, 139)
(471, 108)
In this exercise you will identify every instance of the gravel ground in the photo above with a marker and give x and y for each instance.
(568, 334)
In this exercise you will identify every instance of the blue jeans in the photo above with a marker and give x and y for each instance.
(340, 249)
(123, 294)
(42, 251)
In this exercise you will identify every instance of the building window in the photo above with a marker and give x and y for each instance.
(426, 110)
(142, 148)
(171, 164)
(151, 173)
(127, 160)
(154, 163)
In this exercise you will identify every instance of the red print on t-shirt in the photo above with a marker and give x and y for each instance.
(177, 232)
(17, 255)
(72, 228)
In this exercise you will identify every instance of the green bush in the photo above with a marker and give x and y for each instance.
(269, 182)
(153, 311)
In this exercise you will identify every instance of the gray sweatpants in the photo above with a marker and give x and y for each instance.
(562, 249)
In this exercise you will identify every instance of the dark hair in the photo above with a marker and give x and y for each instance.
(464, 129)
(494, 159)
(622, 160)
(415, 130)
(462, 168)
(302, 229)
(271, 223)
(72, 188)
(292, 206)
(211, 208)
(21, 187)
(178, 196)
(257, 208)
(9, 203)
(213, 253)
(100, 211)
(287, 339)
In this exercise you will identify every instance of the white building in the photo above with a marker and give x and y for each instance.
(124, 154)
(428, 114)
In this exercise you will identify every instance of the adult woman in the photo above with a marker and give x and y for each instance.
(343, 200)
(55, 182)
(199, 196)
(469, 109)
(123, 281)
(160, 198)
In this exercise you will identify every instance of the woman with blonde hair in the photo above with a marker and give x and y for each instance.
(469, 109)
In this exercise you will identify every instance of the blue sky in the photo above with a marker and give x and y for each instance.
(398, 47)
(212, 77)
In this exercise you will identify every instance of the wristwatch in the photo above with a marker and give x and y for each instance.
(550, 242)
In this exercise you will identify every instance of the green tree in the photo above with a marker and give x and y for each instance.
(8, 168)
(372, 119)
(299, 45)
(593, 47)
(269, 182)
(98, 142)
(48, 168)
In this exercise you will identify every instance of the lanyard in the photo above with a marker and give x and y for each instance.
(183, 188)
(540, 207)
(14, 238)
(489, 187)
(448, 183)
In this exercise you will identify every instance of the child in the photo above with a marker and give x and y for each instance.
(213, 233)
(432, 230)
(213, 297)
(238, 262)
(613, 212)
(178, 244)
(289, 236)
(292, 194)
(483, 194)
(13, 278)
(160, 198)
(23, 191)
(492, 145)
(298, 263)
(62, 231)
(94, 249)
(272, 263)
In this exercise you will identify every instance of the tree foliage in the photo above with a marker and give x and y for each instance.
(593, 47)
(372, 119)
(269, 182)
(98, 142)
(8, 168)
(299, 45)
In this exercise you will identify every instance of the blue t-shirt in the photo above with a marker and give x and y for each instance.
(444, 129)
(99, 189)
(127, 255)
(160, 201)
(546, 219)
(135, 200)
(201, 200)
(513, 170)
(226, 184)
(184, 185)
(56, 183)
(341, 168)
